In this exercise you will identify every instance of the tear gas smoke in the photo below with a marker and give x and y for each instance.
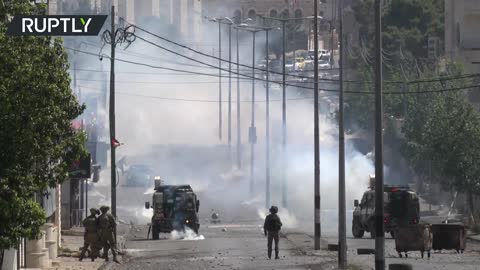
(188, 235)
(179, 139)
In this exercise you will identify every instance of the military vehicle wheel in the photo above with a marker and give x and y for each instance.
(357, 230)
(155, 233)
(400, 266)
(371, 228)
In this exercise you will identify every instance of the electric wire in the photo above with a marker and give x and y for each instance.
(365, 56)
(298, 86)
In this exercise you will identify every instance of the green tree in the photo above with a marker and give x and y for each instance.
(407, 24)
(36, 138)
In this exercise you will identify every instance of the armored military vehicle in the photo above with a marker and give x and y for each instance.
(401, 207)
(175, 207)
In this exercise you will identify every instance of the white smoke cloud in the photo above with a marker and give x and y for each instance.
(187, 235)
(197, 157)
(287, 218)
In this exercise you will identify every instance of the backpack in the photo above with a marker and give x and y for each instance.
(274, 223)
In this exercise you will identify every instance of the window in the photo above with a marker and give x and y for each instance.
(298, 13)
(273, 13)
(237, 16)
(252, 14)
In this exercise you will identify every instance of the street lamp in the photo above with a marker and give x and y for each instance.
(229, 22)
(284, 101)
(252, 132)
(239, 153)
(267, 116)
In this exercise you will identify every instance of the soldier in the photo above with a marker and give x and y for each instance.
(90, 238)
(107, 227)
(271, 228)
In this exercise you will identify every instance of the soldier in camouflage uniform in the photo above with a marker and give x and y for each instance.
(90, 238)
(271, 228)
(107, 227)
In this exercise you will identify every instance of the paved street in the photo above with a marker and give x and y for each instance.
(238, 243)
(469, 260)
(224, 247)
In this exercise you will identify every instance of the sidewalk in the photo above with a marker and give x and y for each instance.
(304, 243)
(474, 237)
(68, 255)
(72, 241)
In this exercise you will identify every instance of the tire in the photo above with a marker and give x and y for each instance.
(400, 266)
(155, 233)
(371, 228)
(357, 230)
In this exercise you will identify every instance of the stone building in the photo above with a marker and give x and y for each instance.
(462, 42)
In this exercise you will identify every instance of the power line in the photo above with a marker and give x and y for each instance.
(144, 56)
(299, 76)
(192, 100)
(146, 65)
(298, 86)
(150, 82)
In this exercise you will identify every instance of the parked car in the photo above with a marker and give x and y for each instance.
(323, 64)
(299, 63)
(275, 66)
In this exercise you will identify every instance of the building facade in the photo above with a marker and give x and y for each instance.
(271, 8)
(462, 41)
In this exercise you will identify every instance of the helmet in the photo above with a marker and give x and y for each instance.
(93, 211)
(104, 208)
(273, 209)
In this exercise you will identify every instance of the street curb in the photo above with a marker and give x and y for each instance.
(323, 243)
(72, 233)
(474, 237)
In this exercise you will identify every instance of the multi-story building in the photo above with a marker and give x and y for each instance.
(271, 8)
(462, 42)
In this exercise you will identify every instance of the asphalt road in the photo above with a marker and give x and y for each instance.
(243, 246)
(234, 246)
(447, 259)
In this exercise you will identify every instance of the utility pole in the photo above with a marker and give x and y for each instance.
(267, 130)
(230, 92)
(284, 164)
(379, 230)
(253, 131)
(284, 118)
(317, 227)
(112, 116)
(239, 154)
(220, 81)
(342, 216)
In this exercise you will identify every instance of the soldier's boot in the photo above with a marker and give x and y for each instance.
(115, 258)
(269, 254)
(105, 254)
(82, 254)
(276, 255)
